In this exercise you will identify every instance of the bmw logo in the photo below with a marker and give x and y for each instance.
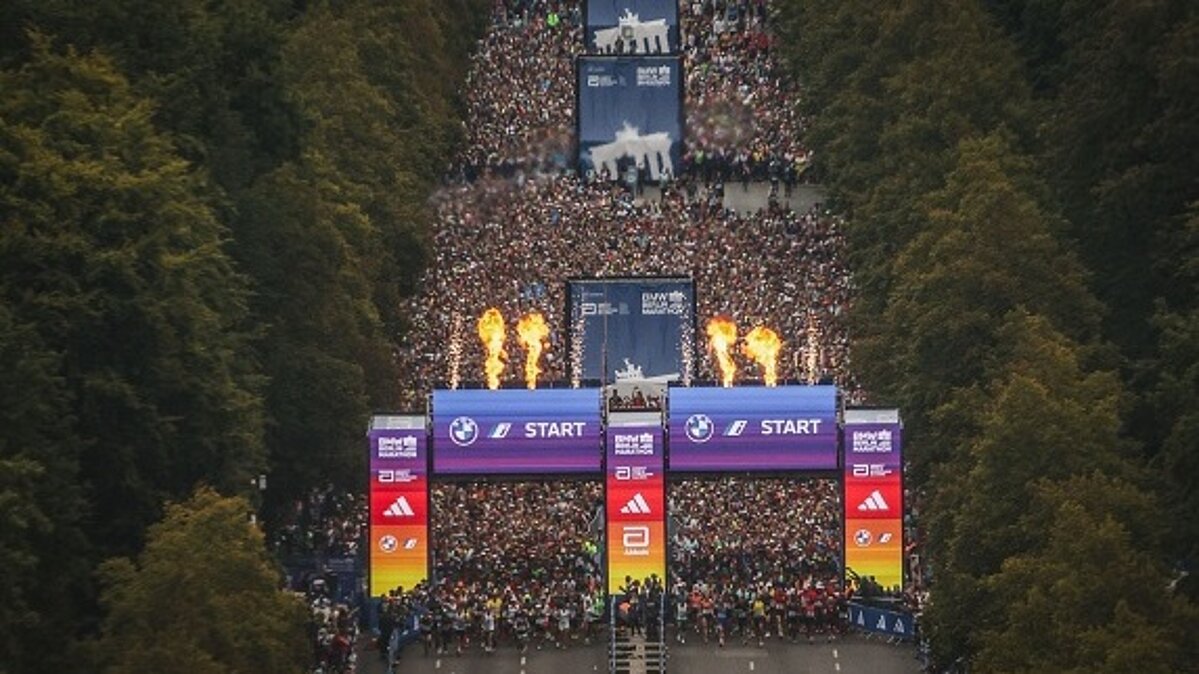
(699, 428)
(862, 538)
(464, 431)
(388, 543)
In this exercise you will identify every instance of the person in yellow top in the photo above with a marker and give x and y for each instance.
(759, 611)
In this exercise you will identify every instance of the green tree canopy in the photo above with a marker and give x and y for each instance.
(204, 596)
(111, 252)
(1090, 596)
(987, 248)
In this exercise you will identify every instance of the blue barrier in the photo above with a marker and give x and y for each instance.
(898, 624)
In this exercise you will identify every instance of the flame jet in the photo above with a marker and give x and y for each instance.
(722, 335)
(763, 345)
(532, 330)
(491, 331)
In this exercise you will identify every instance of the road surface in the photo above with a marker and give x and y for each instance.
(851, 655)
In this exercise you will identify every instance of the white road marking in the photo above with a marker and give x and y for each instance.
(751, 665)
(835, 653)
(837, 666)
(437, 664)
(522, 661)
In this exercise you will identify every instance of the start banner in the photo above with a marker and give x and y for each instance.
(753, 428)
(509, 431)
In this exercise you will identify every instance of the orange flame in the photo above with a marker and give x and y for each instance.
(763, 345)
(722, 335)
(532, 331)
(491, 331)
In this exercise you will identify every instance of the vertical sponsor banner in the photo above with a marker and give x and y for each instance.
(635, 499)
(632, 26)
(630, 116)
(637, 333)
(399, 503)
(874, 496)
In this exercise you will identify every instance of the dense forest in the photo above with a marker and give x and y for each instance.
(208, 210)
(1020, 182)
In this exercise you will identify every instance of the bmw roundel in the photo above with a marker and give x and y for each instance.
(862, 538)
(464, 431)
(699, 428)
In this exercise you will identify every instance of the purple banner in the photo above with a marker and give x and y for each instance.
(516, 431)
(753, 428)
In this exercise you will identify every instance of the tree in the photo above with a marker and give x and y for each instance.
(1041, 417)
(203, 596)
(987, 248)
(1045, 419)
(1121, 145)
(112, 254)
(43, 551)
(1170, 404)
(322, 334)
(208, 65)
(1091, 596)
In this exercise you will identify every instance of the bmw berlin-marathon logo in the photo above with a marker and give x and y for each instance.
(699, 428)
(464, 431)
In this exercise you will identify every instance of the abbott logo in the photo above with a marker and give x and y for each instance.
(633, 473)
(392, 476)
(874, 502)
(871, 470)
(635, 539)
(500, 431)
(636, 506)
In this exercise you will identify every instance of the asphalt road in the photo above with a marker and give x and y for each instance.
(851, 655)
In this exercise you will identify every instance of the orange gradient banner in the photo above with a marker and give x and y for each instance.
(874, 502)
(399, 508)
(635, 504)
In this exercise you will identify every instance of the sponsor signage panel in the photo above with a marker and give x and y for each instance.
(634, 332)
(897, 624)
(635, 503)
(753, 428)
(630, 115)
(516, 431)
(399, 504)
(632, 26)
(874, 498)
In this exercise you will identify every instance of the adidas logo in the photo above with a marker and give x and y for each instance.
(636, 506)
(399, 509)
(874, 502)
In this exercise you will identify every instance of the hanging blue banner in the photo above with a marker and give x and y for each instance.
(638, 331)
(632, 26)
(630, 116)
